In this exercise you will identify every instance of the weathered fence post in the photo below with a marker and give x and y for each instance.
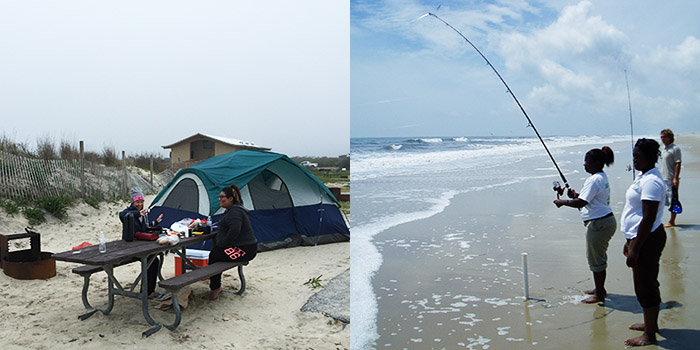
(126, 178)
(82, 169)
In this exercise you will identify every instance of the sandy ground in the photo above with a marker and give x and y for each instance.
(487, 284)
(43, 314)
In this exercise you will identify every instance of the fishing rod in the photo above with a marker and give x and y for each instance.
(530, 124)
(629, 102)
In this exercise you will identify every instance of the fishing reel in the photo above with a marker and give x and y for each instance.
(556, 186)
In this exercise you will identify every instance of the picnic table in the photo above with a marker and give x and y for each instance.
(122, 252)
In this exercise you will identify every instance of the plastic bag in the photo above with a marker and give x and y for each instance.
(169, 239)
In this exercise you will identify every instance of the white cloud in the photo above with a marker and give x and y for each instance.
(576, 37)
(565, 60)
(684, 58)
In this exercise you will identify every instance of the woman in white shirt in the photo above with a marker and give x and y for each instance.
(646, 238)
(597, 216)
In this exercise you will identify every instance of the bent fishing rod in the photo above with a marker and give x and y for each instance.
(530, 124)
(629, 102)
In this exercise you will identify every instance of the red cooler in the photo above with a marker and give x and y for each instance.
(198, 258)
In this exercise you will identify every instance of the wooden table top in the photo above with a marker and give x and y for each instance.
(120, 251)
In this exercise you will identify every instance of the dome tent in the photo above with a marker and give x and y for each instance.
(288, 205)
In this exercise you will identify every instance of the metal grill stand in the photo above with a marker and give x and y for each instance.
(27, 264)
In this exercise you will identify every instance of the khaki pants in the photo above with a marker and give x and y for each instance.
(598, 235)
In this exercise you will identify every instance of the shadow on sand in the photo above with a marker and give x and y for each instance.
(688, 227)
(675, 339)
(679, 339)
(629, 303)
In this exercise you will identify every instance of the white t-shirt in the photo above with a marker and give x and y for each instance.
(648, 186)
(595, 191)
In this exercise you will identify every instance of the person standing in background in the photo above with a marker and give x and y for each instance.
(670, 169)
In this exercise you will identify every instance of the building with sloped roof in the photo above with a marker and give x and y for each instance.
(199, 147)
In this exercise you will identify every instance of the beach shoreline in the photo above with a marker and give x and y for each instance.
(42, 314)
(473, 295)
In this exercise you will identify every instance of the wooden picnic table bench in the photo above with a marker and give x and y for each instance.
(87, 270)
(174, 284)
(120, 253)
(177, 282)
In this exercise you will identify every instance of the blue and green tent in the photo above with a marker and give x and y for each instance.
(288, 205)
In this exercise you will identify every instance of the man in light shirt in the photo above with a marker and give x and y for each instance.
(670, 168)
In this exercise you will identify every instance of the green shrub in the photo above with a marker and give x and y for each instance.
(34, 215)
(93, 202)
(314, 282)
(23, 201)
(10, 207)
(57, 206)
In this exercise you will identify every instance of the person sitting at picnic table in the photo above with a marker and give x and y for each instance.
(234, 238)
(141, 225)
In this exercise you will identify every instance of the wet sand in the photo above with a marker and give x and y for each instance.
(455, 280)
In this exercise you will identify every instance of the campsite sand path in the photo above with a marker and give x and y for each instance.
(42, 314)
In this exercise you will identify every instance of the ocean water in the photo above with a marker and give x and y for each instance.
(402, 180)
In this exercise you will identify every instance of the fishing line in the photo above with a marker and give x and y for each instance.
(629, 102)
(530, 124)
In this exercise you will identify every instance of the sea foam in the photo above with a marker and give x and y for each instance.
(366, 260)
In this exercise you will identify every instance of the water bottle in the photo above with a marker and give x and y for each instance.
(103, 243)
(209, 221)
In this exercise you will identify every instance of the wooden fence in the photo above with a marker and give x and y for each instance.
(26, 178)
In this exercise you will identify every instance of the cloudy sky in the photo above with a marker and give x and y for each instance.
(564, 60)
(137, 75)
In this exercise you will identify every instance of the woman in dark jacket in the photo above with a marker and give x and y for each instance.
(234, 238)
(137, 210)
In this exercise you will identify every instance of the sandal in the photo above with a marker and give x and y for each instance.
(157, 296)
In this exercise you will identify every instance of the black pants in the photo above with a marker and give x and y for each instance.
(218, 254)
(645, 275)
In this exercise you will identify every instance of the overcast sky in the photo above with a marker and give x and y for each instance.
(137, 75)
(564, 60)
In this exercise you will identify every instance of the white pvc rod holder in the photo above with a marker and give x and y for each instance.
(525, 284)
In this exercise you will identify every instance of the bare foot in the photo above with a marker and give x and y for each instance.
(668, 224)
(215, 293)
(592, 300)
(637, 327)
(641, 340)
(590, 291)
